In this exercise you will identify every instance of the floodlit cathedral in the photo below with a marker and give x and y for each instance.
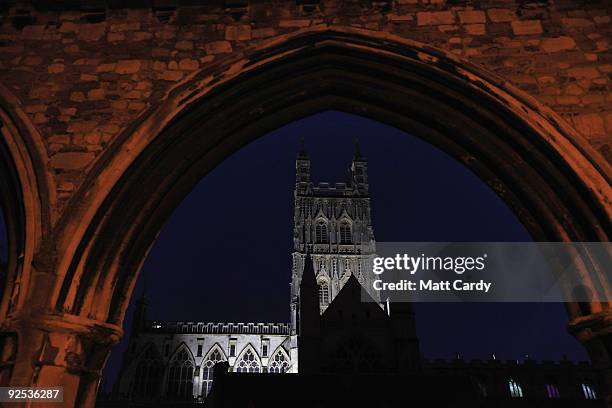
(334, 343)
(332, 223)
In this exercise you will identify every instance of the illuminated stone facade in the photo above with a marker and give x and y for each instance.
(333, 224)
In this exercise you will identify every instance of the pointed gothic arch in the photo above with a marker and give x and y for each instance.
(148, 373)
(545, 171)
(279, 361)
(345, 231)
(248, 361)
(212, 357)
(180, 374)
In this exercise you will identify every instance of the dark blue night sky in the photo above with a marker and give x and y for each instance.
(224, 255)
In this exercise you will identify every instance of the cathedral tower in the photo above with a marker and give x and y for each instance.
(332, 223)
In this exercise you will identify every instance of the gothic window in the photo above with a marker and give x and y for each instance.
(213, 358)
(516, 391)
(321, 236)
(588, 392)
(323, 293)
(345, 233)
(148, 374)
(552, 391)
(180, 376)
(248, 363)
(307, 208)
(279, 363)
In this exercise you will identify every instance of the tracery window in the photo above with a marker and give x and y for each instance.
(180, 376)
(516, 391)
(207, 370)
(588, 392)
(148, 375)
(552, 391)
(279, 363)
(323, 293)
(248, 363)
(321, 235)
(345, 233)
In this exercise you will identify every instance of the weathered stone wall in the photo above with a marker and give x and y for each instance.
(83, 75)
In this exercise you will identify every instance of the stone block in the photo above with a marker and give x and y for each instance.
(590, 124)
(527, 27)
(558, 44)
(425, 18)
(82, 126)
(475, 29)
(71, 160)
(577, 23)
(501, 15)
(472, 17)
(188, 64)
(127, 66)
(294, 23)
(96, 94)
(91, 32)
(218, 47)
(184, 45)
(588, 72)
(240, 32)
(55, 68)
(171, 75)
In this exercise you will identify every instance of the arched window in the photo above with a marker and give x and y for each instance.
(215, 356)
(552, 391)
(588, 391)
(323, 293)
(321, 236)
(180, 376)
(279, 363)
(516, 391)
(345, 233)
(248, 363)
(148, 375)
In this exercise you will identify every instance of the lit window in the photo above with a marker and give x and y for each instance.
(248, 363)
(180, 376)
(552, 391)
(345, 233)
(588, 392)
(323, 293)
(279, 364)
(321, 236)
(213, 358)
(264, 348)
(515, 389)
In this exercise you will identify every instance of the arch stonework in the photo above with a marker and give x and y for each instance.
(107, 144)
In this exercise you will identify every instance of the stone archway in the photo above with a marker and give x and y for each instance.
(554, 181)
